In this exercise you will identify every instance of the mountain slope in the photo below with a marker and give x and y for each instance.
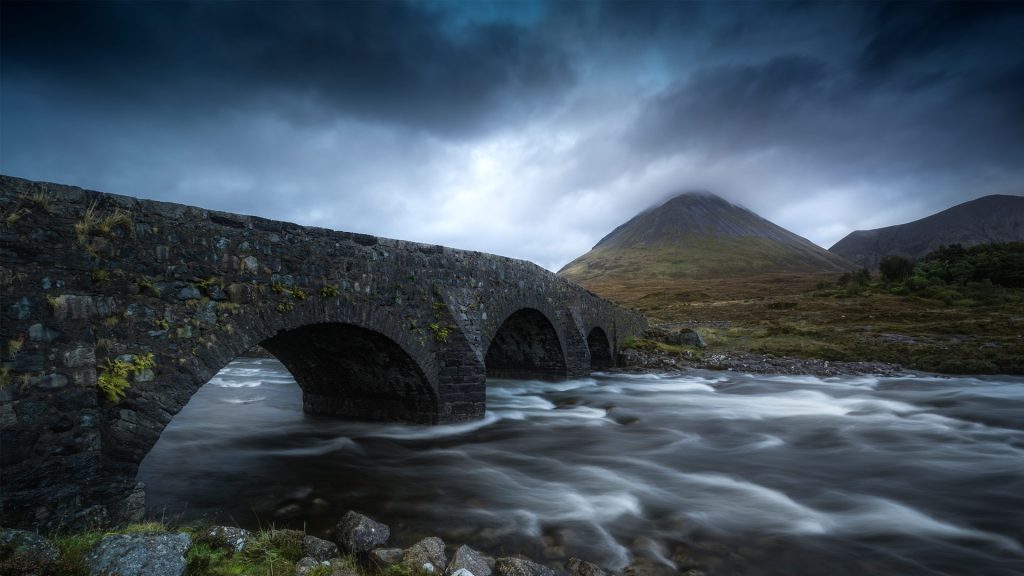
(981, 221)
(698, 235)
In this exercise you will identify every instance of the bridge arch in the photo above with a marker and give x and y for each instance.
(353, 372)
(600, 348)
(526, 345)
(349, 360)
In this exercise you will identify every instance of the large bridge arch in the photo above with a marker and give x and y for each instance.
(88, 279)
(349, 360)
(353, 372)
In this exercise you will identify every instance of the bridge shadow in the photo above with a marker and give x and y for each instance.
(526, 346)
(353, 372)
(600, 349)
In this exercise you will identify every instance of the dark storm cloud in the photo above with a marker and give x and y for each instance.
(903, 36)
(381, 61)
(736, 107)
(847, 118)
(524, 128)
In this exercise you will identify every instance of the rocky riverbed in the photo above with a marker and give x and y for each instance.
(358, 546)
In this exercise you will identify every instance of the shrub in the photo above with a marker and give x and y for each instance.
(895, 268)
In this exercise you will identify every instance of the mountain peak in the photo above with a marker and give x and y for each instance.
(693, 196)
(700, 234)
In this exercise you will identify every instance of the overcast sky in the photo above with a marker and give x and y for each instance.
(527, 129)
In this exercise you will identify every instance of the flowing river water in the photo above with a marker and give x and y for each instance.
(729, 473)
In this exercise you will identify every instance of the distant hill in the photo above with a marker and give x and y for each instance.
(698, 235)
(982, 221)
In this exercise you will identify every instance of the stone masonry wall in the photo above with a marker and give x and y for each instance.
(100, 289)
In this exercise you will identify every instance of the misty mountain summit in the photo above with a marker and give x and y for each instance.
(699, 235)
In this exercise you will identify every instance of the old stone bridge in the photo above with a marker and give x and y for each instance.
(116, 310)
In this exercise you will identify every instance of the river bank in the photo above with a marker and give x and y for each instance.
(654, 361)
(357, 546)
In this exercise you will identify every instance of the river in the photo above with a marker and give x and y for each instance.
(730, 473)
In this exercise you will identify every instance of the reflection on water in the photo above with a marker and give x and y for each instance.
(735, 473)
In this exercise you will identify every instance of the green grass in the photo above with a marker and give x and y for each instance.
(267, 553)
(808, 316)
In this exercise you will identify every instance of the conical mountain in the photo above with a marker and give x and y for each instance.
(699, 235)
(995, 218)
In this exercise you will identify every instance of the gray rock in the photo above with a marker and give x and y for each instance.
(132, 508)
(385, 557)
(147, 554)
(20, 310)
(40, 333)
(80, 356)
(189, 293)
(307, 564)
(50, 381)
(686, 337)
(466, 558)
(318, 548)
(250, 264)
(74, 307)
(31, 546)
(648, 567)
(577, 567)
(509, 566)
(427, 556)
(227, 537)
(358, 533)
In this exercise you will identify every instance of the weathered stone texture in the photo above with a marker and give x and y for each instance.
(139, 555)
(88, 279)
(356, 533)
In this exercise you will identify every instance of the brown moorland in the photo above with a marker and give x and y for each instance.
(813, 316)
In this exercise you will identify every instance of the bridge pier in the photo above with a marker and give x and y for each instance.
(116, 310)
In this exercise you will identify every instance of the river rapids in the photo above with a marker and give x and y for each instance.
(728, 473)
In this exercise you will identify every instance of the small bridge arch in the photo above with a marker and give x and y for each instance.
(600, 348)
(526, 345)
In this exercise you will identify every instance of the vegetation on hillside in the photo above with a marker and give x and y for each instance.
(959, 310)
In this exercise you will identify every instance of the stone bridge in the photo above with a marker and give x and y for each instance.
(116, 310)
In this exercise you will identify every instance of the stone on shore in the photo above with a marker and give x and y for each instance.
(359, 534)
(466, 558)
(318, 548)
(27, 553)
(31, 546)
(648, 567)
(386, 557)
(511, 566)
(227, 537)
(687, 337)
(577, 567)
(307, 565)
(427, 556)
(146, 554)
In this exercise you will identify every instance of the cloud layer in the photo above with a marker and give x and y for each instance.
(525, 129)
